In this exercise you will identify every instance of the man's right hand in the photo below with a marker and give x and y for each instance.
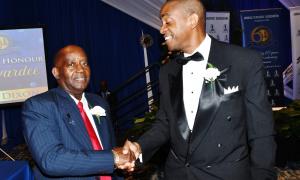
(133, 147)
(124, 160)
(125, 156)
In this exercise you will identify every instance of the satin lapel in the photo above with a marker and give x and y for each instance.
(72, 118)
(209, 101)
(176, 96)
(100, 123)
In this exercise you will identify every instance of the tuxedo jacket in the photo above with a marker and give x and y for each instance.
(58, 140)
(232, 137)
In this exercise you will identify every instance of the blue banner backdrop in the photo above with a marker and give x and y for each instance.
(263, 30)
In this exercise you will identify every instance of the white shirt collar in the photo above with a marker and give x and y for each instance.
(83, 99)
(203, 48)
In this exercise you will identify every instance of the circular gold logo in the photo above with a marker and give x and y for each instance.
(4, 42)
(261, 35)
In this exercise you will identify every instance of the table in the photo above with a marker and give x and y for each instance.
(15, 170)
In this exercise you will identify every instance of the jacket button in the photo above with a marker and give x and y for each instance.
(228, 118)
(219, 145)
(187, 165)
(207, 167)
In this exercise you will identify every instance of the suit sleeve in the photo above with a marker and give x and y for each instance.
(42, 134)
(159, 133)
(260, 125)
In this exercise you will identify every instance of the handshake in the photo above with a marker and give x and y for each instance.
(125, 157)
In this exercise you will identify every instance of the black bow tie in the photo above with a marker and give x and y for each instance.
(183, 60)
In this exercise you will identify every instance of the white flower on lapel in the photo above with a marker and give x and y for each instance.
(98, 111)
(211, 73)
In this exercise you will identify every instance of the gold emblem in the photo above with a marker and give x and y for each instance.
(260, 35)
(4, 42)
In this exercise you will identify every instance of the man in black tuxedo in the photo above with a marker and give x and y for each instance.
(213, 109)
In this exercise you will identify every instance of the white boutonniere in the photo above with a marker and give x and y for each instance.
(98, 112)
(211, 73)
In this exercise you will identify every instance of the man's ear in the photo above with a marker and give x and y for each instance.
(55, 72)
(193, 20)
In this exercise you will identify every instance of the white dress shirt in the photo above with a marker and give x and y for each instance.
(88, 113)
(192, 76)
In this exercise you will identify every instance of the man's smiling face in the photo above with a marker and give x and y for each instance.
(175, 26)
(72, 70)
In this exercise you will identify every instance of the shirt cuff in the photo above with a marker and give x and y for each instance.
(141, 158)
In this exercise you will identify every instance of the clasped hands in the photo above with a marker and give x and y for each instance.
(126, 156)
